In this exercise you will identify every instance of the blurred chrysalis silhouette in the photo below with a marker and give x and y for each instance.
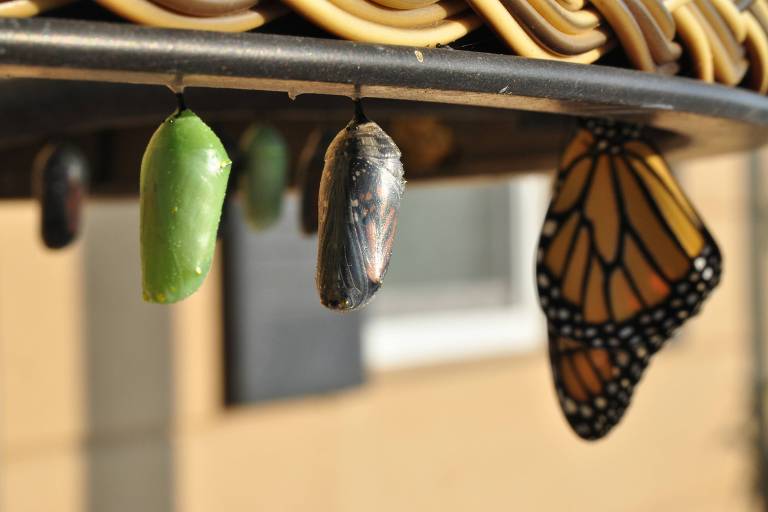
(263, 175)
(60, 183)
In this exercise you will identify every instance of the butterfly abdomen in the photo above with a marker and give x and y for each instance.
(359, 200)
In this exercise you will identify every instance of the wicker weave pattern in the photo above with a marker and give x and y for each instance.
(722, 41)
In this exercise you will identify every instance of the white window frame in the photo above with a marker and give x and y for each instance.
(393, 341)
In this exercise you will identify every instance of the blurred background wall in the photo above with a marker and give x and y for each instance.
(109, 404)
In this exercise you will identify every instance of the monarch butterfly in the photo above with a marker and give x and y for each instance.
(623, 260)
(60, 177)
(264, 175)
(184, 175)
(360, 192)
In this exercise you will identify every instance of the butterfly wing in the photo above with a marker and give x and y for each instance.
(624, 259)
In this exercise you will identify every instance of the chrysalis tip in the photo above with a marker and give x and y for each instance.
(359, 114)
(180, 101)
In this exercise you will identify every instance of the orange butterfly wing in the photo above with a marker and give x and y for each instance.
(623, 261)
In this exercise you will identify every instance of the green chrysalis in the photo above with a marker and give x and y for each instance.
(184, 175)
(264, 175)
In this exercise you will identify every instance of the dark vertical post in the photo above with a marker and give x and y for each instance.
(756, 276)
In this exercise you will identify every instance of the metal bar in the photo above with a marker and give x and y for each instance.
(76, 50)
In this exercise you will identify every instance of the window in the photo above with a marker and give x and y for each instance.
(460, 283)
(279, 341)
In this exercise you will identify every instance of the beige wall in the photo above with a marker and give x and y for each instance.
(115, 406)
(42, 419)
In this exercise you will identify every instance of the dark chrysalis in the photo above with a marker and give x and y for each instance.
(60, 177)
(359, 199)
(310, 171)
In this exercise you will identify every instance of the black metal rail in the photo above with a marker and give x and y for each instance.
(718, 118)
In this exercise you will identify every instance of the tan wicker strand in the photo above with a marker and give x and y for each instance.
(718, 24)
(28, 8)
(727, 70)
(628, 32)
(573, 5)
(732, 17)
(695, 41)
(756, 43)
(549, 36)
(759, 10)
(662, 16)
(513, 34)
(344, 24)
(148, 13)
(405, 4)
(570, 22)
(411, 18)
(207, 8)
(663, 49)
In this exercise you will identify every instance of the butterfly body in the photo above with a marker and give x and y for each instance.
(623, 261)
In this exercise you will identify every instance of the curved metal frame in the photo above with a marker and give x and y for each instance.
(719, 118)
